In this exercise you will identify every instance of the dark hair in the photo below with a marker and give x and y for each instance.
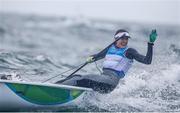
(120, 30)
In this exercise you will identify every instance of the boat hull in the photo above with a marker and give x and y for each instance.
(17, 96)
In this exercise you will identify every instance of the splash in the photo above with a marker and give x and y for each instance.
(39, 47)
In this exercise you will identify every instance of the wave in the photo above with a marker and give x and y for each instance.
(175, 49)
(39, 47)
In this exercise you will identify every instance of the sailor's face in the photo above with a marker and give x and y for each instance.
(121, 43)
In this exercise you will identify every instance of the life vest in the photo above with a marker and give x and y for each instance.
(115, 59)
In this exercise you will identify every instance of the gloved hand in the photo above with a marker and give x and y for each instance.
(90, 59)
(152, 36)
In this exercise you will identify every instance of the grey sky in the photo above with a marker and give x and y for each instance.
(153, 11)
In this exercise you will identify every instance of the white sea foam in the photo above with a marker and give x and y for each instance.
(67, 42)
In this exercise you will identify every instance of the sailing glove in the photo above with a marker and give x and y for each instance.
(152, 36)
(90, 59)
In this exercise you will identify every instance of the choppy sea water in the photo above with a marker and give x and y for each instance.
(40, 47)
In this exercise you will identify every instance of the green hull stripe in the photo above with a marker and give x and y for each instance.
(44, 95)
